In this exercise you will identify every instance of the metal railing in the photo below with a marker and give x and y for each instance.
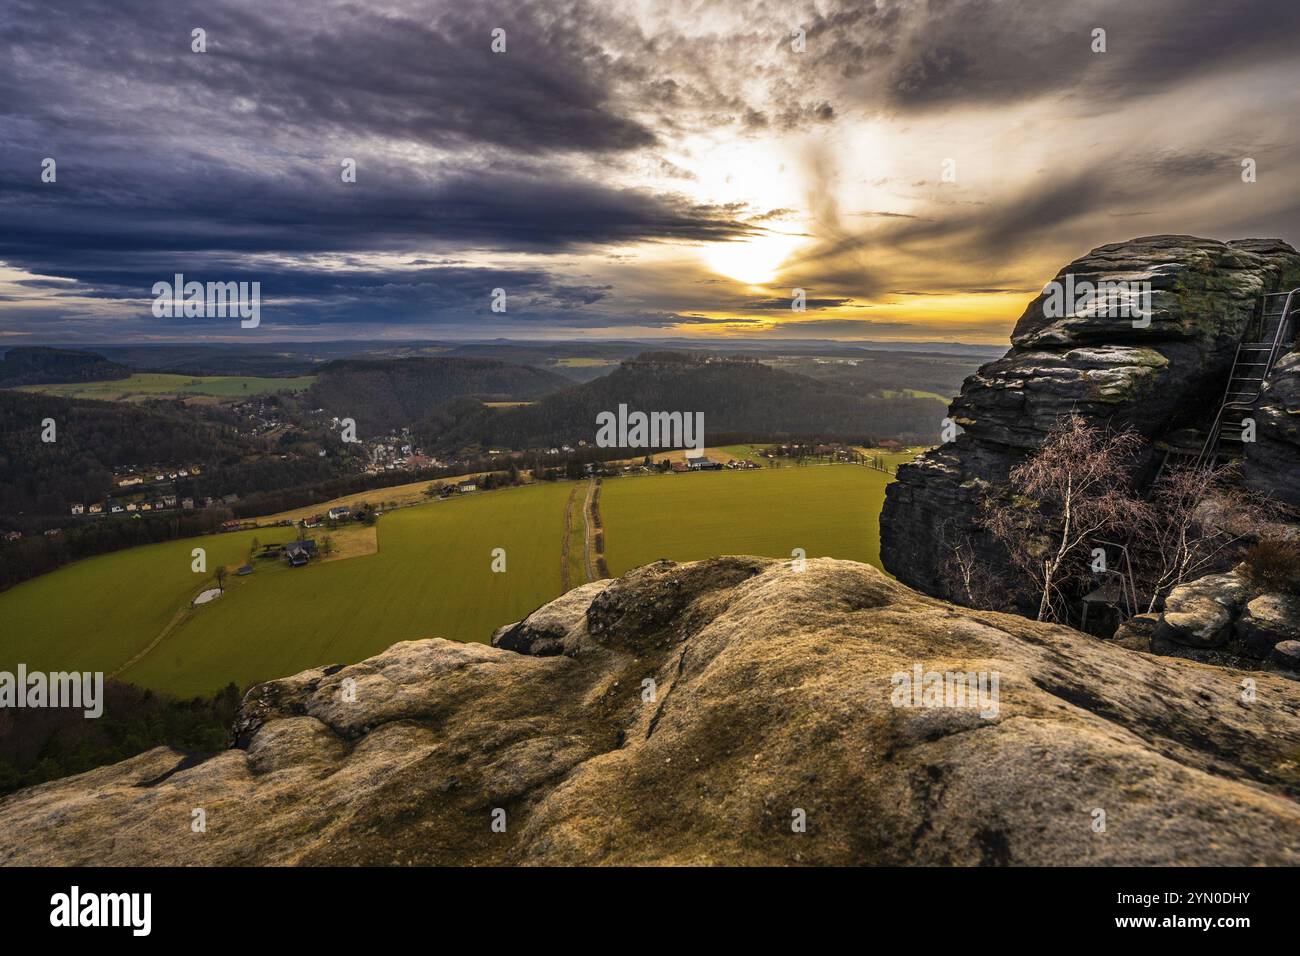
(1210, 450)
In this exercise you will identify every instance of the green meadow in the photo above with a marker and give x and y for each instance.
(159, 385)
(431, 575)
(827, 510)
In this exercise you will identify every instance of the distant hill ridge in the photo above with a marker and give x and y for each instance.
(42, 365)
(741, 398)
(382, 394)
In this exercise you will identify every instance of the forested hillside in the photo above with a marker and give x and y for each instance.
(94, 438)
(741, 399)
(386, 394)
(42, 366)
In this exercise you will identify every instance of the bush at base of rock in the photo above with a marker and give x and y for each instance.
(1273, 565)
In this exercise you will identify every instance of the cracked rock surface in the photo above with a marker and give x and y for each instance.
(771, 693)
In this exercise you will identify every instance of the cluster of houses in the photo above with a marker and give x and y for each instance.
(833, 452)
(143, 504)
(260, 417)
(132, 478)
(145, 490)
(460, 488)
(396, 453)
(698, 461)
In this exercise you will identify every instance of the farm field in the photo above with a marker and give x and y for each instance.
(412, 492)
(585, 362)
(143, 385)
(431, 575)
(827, 510)
(894, 458)
(716, 452)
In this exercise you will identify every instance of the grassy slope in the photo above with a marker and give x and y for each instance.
(159, 384)
(97, 613)
(824, 509)
(432, 577)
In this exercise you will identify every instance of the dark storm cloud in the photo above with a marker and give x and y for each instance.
(427, 74)
(779, 304)
(169, 160)
(302, 210)
(992, 51)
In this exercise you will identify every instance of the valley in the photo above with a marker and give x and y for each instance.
(430, 576)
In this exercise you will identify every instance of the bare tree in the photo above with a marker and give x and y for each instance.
(1197, 521)
(221, 578)
(1074, 488)
(967, 576)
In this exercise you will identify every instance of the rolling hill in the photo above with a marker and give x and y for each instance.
(741, 400)
(39, 365)
(383, 394)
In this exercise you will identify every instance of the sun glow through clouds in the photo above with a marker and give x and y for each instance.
(752, 261)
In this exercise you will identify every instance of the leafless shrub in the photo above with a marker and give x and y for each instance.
(1074, 489)
(967, 577)
(1194, 521)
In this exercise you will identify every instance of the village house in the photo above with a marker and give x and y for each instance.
(187, 503)
(96, 509)
(698, 461)
(298, 553)
(337, 514)
(78, 509)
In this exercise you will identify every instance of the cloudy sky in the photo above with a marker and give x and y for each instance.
(652, 168)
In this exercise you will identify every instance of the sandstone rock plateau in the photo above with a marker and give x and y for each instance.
(1160, 378)
(772, 695)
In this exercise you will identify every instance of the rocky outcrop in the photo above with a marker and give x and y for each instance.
(1273, 459)
(733, 711)
(1156, 377)
(1267, 621)
(1221, 619)
(1201, 613)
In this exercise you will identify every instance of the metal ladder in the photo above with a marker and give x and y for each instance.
(1250, 367)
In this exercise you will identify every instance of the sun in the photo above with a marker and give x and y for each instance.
(754, 261)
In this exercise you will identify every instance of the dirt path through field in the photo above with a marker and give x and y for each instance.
(171, 626)
(565, 582)
(593, 554)
(588, 543)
